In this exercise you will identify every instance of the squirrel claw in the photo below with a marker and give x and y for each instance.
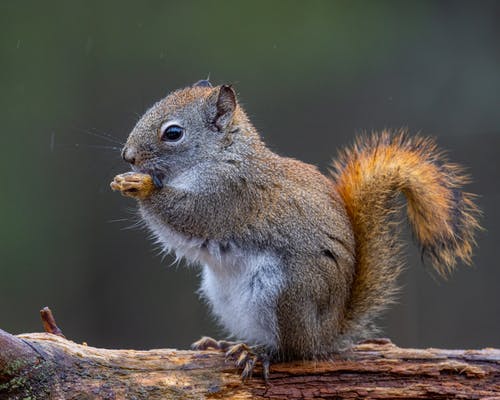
(247, 357)
(244, 356)
(207, 342)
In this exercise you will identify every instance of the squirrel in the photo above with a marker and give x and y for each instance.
(295, 264)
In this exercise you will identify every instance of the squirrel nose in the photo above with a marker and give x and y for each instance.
(128, 155)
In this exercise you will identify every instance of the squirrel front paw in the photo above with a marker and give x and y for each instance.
(133, 184)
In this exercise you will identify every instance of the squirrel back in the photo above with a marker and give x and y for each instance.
(369, 177)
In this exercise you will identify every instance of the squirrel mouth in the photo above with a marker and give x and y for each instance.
(157, 179)
(157, 176)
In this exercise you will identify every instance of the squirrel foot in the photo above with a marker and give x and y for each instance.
(132, 184)
(247, 357)
(207, 342)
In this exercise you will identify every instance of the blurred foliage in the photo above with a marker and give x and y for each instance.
(311, 74)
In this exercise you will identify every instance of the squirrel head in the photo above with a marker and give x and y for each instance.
(189, 126)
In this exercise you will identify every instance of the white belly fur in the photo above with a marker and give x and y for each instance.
(241, 286)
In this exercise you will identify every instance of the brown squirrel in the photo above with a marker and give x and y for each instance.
(296, 264)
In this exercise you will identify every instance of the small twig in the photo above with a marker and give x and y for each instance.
(49, 322)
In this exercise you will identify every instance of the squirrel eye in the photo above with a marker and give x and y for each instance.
(171, 133)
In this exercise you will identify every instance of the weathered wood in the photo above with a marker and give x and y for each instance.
(47, 366)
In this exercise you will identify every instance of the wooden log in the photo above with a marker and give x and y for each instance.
(48, 366)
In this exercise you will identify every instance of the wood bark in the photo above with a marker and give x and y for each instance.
(48, 366)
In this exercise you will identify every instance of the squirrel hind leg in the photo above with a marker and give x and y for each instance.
(246, 357)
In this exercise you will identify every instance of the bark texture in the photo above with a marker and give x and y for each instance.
(48, 366)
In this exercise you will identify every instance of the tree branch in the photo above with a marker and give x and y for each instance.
(47, 366)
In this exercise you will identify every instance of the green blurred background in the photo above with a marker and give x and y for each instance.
(311, 75)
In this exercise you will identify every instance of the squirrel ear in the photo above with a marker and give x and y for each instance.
(225, 107)
(202, 83)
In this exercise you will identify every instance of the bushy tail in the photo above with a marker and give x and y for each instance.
(369, 176)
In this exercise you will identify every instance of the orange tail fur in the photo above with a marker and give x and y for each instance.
(369, 177)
